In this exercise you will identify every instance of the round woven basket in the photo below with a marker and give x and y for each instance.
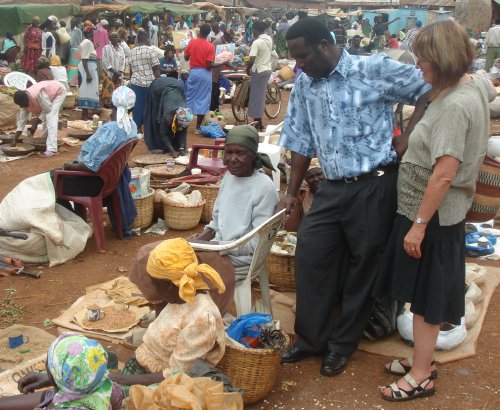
(281, 270)
(182, 218)
(144, 208)
(253, 370)
(209, 194)
(486, 202)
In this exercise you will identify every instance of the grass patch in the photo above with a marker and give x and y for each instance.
(10, 311)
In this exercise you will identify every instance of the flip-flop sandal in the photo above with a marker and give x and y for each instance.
(48, 154)
(418, 390)
(397, 368)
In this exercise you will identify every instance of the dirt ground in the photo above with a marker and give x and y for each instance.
(467, 384)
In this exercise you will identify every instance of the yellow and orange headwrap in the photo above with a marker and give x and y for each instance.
(176, 261)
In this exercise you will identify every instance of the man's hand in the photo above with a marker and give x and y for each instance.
(89, 78)
(33, 381)
(287, 203)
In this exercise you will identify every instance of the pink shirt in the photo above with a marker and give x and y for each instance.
(52, 88)
(101, 39)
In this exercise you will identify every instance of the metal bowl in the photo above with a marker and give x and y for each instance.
(18, 150)
(40, 144)
(8, 138)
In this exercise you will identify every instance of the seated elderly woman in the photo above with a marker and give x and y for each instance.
(165, 118)
(246, 199)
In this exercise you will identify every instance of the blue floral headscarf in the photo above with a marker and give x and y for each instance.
(79, 368)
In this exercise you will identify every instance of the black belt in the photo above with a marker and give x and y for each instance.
(380, 171)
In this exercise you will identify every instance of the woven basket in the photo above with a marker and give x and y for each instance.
(487, 199)
(144, 208)
(281, 270)
(253, 370)
(209, 194)
(69, 100)
(182, 218)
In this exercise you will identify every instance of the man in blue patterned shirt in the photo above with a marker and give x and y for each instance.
(341, 109)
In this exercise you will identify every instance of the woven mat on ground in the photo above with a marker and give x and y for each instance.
(393, 346)
(38, 344)
(95, 295)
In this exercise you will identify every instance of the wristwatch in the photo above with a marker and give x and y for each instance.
(420, 221)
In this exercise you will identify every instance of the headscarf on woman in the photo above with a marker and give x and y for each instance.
(79, 368)
(42, 62)
(248, 137)
(182, 118)
(176, 261)
(123, 99)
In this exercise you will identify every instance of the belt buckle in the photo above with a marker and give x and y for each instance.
(349, 180)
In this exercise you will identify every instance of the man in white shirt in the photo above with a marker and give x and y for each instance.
(493, 44)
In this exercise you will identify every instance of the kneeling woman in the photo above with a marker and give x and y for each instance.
(246, 199)
(165, 118)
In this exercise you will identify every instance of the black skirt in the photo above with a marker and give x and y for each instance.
(434, 284)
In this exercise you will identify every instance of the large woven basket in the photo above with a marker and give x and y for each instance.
(253, 370)
(144, 207)
(209, 194)
(487, 199)
(281, 270)
(182, 218)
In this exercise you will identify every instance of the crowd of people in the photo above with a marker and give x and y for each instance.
(380, 217)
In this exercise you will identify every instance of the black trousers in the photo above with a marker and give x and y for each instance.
(340, 244)
(214, 100)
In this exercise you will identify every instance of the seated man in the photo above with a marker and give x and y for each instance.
(166, 117)
(246, 199)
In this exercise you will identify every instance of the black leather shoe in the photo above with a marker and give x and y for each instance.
(294, 354)
(333, 364)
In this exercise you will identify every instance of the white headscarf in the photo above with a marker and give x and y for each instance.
(123, 99)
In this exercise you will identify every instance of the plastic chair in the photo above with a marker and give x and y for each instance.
(266, 232)
(110, 172)
(18, 80)
(212, 165)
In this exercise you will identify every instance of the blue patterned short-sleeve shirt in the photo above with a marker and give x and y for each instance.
(347, 118)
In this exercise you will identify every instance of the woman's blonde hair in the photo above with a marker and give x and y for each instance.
(446, 46)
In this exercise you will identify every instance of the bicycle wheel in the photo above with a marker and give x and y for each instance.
(239, 104)
(273, 101)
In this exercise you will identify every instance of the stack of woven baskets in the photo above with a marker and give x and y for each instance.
(182, 216)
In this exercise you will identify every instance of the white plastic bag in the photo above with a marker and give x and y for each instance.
(446, 340)
(140, 182)
(471, 314)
